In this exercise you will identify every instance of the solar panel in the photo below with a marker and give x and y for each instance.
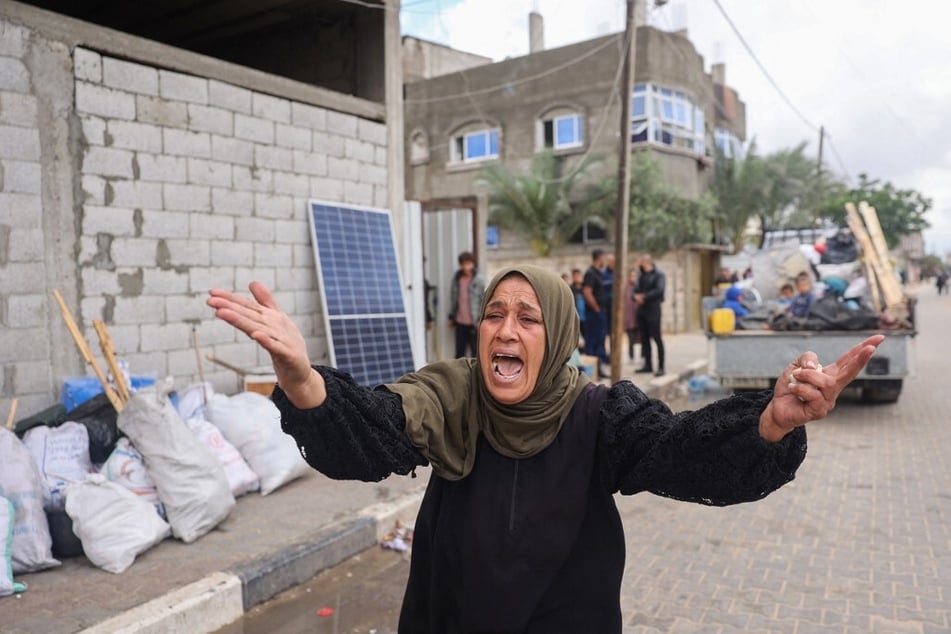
(365, 317)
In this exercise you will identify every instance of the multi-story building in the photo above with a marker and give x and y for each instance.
(566, 100)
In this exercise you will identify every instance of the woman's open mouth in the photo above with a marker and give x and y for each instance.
(506, 367)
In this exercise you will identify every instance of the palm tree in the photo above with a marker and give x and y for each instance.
(537, 205)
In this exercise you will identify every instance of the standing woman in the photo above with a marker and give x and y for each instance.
(630, 313)
(518, 530)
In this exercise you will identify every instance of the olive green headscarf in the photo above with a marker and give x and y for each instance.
(447, 404)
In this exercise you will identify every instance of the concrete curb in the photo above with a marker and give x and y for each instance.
(223, 597)
(663, 386)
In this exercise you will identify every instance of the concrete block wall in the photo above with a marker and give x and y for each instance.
(169, 184)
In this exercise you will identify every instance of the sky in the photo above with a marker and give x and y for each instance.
(875, 75)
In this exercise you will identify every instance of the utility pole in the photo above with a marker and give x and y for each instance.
(623, 195)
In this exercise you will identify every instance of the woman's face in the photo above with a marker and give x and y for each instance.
(512, 341)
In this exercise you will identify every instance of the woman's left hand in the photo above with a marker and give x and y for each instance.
(807, 391)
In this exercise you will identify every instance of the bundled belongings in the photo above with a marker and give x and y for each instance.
(126, 468)
(7, 585)
(22, 484)
(189, 477)
(62, 455)
(113, 524)
(252, 423)
(828, 313)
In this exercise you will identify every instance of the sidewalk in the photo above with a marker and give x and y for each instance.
(267, 545)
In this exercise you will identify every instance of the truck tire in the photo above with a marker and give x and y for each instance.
(883, 392)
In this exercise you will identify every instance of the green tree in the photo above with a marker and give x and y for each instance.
(901, 212)
(537, 205)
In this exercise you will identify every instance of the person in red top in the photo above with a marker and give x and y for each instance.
(465, 302)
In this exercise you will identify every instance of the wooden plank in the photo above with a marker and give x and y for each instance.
(868, 253)
(109, 353)
(891, 285)
(86, 352)
(11, 415)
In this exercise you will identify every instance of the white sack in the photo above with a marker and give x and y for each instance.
(7, 519)
(191, 482)
(22, 484)
(241, 478)
(125, 467)
(191, 400)
(252, 423)
(62, 454)
(113, 523)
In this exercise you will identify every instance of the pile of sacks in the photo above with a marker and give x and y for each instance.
(172, 466)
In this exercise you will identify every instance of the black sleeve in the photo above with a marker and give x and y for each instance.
(656, 294)
(357, 434)
(713, 455)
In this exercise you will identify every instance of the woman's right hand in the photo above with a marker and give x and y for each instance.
(262, 320)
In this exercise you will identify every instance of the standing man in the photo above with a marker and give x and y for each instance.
(465, 300)
(649, 295)
(596, 314)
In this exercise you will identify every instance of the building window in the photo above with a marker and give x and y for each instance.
(666, 116)
(418, 148)
(562, 132)
(728, 144)
(592, 231)
(481, 145)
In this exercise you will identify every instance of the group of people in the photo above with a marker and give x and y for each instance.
(518, 530)
(797, 297)
(643, 296)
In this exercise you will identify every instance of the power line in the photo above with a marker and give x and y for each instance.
(769, 77)
(835, 153)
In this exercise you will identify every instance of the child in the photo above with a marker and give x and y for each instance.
(799, 307)
(786, 294)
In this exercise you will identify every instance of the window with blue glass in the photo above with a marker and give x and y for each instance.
(668, 117)
(476, 146)
(561, 132)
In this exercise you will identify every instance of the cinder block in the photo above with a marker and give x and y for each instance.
(272, 108)
(371, 132)
(254, 129)
(200, 280)
(19, 344)
(273, 206)
(155, 363)
(308, 116)
(330, 189)
(291, 183)
(162, 168)
(292, 232)
(22, 144)
(94, 188)
(132, 252)
(13, 75)
(273, 158)
(202, 172)
(232, 253)
(276, 255)
(210, 119)
(329, 144)
(164, 282)
(32, 376)
(298, 279)
(245, 275)
(343, 124)
(134, 194)
(107, 162)
(131, 135)
(17, 109)
(20, 210)
(168, 336)
(359, 150)
(232, 150)
(98, 282)
(229, 96)
(129, 76)
(373, 174)
(186, 197)
(254, 229)
(187, 143)
(164, 224)
(138, 310)
(293, 137)
(26, 245)
(211, 226)
(189, 252)
(231, 202)
(345, 169)
(171, 114)
(24, 177)
(358, 193)
(381, 196)
(181, 87)
(382, 156)
(106, 102)
(258, 180)
(115, 221)
(25, 311)
(12, 38)
(22, 277)
(94, 130)
(312, 163)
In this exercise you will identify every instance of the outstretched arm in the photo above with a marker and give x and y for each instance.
(807, 391)
(261, 319)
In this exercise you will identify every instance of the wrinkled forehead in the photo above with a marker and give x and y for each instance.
(515, 288)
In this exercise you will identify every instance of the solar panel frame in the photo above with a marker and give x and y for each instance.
(361, 291)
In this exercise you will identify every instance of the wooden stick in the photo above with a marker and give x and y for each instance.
(86, 352)
(11, 415)
(201, 374)
(109, 353)
(225, 364)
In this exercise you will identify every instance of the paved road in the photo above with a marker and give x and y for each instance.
(859, 542)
